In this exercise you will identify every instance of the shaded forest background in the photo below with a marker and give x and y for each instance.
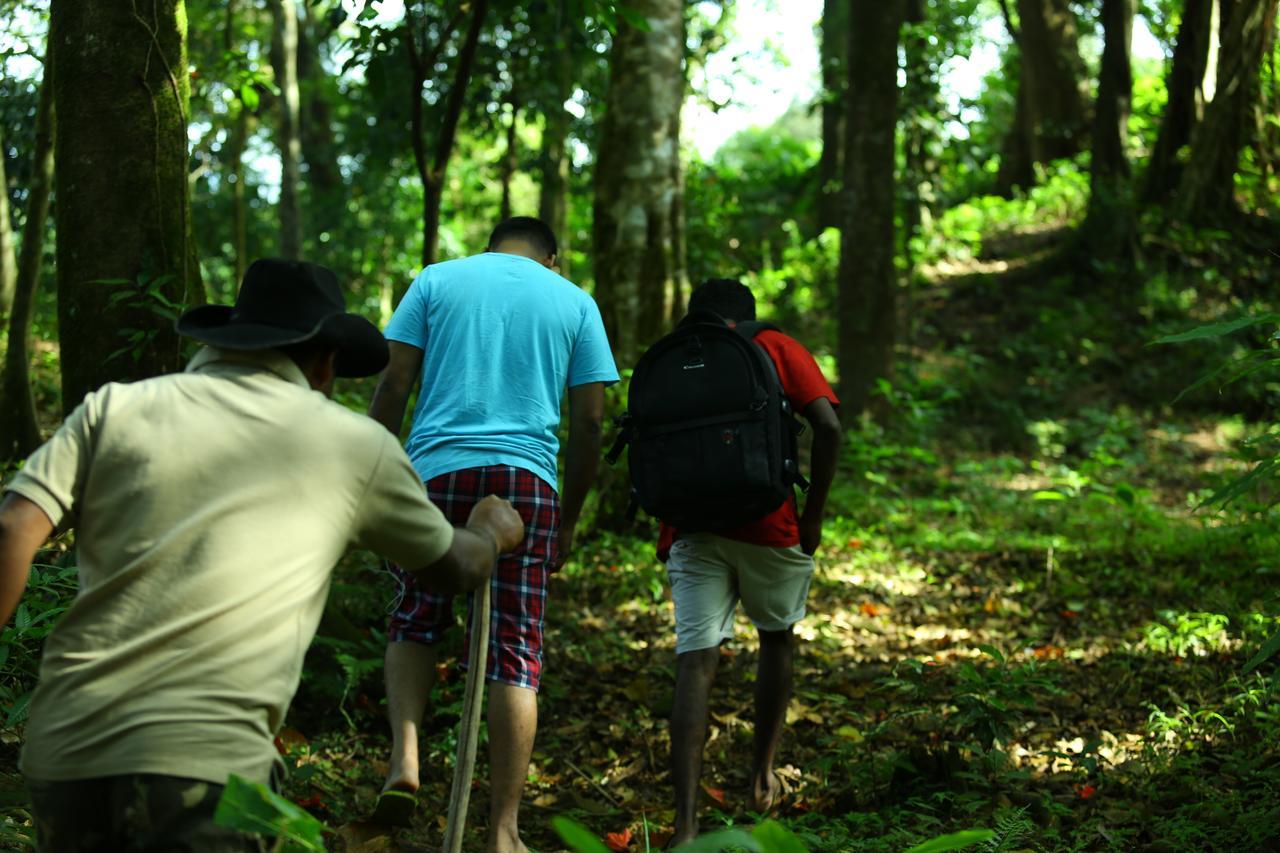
(1043, 574)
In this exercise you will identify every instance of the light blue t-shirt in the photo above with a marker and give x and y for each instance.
(502, 337)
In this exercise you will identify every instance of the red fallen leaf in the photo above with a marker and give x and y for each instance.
(1069, 614)
(280, 747)
(618, 842)
(1049, 652)
(443, 673)
(717, 794)
(1086, 791)
(800, 806)
(869, 609)
(312, 802)
(658, 838)
(855, 544)
(1177, 659)
(932, 663)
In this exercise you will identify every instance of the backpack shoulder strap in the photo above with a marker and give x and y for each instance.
(754, 327)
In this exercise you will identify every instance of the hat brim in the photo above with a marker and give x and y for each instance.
(362, 350)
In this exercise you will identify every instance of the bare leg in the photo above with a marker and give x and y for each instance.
(773, 695)
(513, 722)
(695, 673)
(410, 674)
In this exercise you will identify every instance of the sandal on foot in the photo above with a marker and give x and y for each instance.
(395, 808)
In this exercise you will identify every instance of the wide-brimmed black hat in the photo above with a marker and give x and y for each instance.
(287, 302)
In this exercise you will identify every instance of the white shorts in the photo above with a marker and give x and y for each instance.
(710, 573)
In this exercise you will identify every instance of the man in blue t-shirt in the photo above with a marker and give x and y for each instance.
(497, 338)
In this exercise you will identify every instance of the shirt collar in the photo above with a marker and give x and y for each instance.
(213, 360)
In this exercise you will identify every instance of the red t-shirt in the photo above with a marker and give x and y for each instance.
(802, 382)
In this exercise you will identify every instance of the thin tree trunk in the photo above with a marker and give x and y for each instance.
(8, 257)
(121, 90)
(510, 158)
(635, 177)
(920, 97)
(1206, 193)
(433, 172)
(19, 430)
(285, 60)
(1185, 84)
(868, 279)
(553, 199)
(315, 130)
(1109, 231)
(835, 60)
(235, 162)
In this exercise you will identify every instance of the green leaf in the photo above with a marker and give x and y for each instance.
(1126, 494)
(954, 841)
(249, 96)
(1217, 330)
(725, 839)
(1048, 496)
(250, 807)
(776, 838)
(992, 651)
(578, 837)
(18, 712)
(634, 18)
(1268, 650)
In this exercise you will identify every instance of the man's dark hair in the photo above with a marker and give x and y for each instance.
(731, 299)
(529, 229)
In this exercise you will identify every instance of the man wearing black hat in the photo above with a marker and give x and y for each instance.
(210, 508)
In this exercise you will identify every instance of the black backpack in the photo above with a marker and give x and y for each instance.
(711, 435)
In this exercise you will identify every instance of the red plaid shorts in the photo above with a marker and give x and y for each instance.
(518, 590)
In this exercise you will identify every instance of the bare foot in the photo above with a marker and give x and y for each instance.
(403, 775)
(505, 843)
(765, 793)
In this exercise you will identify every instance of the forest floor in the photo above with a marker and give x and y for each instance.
(993, 641)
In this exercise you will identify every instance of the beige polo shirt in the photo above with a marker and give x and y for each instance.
(210, 507)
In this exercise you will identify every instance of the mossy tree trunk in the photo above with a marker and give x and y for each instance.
(124, 261)
(867, 298)
(19, 430)
(326, 192)
(1185, 84)
(635, 184)
(1206, 194)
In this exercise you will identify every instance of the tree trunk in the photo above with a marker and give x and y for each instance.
(868, 280)
(433, 172)
(553, 200)
(8, 258)
(1206, 194)
(1109, 231)
(315, 132)
(285, 60)
(1054, 115)
(679, 289)
(510, 159)
(835, 60)
(19, 431)
(1185, 84)
(120, 93)
(920, 112)
(234, 165)
(635, 177)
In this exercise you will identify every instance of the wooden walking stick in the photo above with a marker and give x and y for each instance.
(468, 730)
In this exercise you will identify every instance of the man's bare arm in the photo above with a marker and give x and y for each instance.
(396, 384)
(493, 528)
(23, 529)
(827, 434)
(582, 457)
